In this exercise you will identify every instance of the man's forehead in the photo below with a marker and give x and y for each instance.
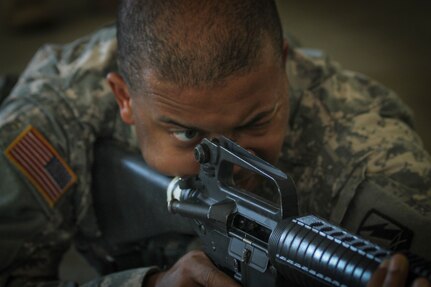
(236, 88)
(237, 103)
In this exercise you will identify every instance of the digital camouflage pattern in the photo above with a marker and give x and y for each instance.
(351, 149)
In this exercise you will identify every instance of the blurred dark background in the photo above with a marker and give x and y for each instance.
(387, 40)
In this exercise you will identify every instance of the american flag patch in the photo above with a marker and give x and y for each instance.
(41, 164)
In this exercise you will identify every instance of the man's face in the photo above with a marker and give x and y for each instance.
(251, 109)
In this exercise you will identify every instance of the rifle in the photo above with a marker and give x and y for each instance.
(259, 239)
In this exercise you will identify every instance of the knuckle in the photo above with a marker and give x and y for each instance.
(210, 277)
(196, 256)
(190, 260)
(197, 253)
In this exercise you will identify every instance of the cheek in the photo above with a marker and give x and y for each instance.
(269, 145)
(272, 148)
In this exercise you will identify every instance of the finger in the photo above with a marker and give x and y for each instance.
(379, 275)
(207, 274)
(215, 278)
(397, 271)
(421, 282)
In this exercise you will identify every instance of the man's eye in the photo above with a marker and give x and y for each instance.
(186, 136)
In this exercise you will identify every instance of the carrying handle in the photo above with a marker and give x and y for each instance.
(218, 156)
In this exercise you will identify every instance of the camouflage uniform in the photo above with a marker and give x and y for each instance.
(351, 150)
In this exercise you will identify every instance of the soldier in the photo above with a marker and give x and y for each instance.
(186, 70)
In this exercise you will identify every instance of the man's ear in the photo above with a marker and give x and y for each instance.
(122, 96)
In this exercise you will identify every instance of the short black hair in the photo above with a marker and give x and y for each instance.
(194, 42)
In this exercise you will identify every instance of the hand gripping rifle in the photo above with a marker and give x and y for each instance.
(261, 241)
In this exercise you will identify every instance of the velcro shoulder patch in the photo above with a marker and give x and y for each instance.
(385, 231)
(41, 164)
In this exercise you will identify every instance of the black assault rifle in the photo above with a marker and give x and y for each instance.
(260, 240)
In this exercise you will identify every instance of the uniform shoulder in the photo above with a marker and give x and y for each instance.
(344, 123)
(316, 78)
(308, 67)
(92, 53)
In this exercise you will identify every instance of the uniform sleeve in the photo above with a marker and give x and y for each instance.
(392, 202)
(133, 277)
(388, 196)
(355, 156)
(129, 278)
(48, 127)
(33, 236)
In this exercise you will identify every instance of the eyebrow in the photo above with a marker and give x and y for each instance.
(170, 121)
(255, 119)
(259, 117)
